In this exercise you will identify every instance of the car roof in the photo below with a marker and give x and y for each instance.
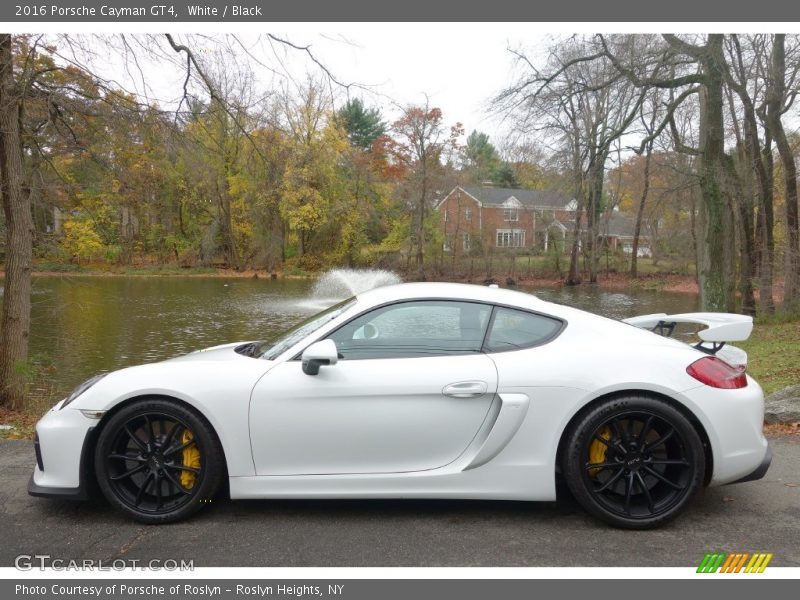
(452, 291)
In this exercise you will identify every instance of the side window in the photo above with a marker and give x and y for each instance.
(414, 329)
(514, 329)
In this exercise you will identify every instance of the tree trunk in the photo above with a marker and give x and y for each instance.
(749, 162)
(421, 228)
(745, 221)
(637, 228)
(791, 293)
(594, 207)
(16, 319)
(716, 287)
(573, 275)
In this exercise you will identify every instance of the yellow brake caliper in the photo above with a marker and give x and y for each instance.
(597, 450)
(191, 458)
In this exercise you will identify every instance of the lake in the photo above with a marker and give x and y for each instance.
(83, 325)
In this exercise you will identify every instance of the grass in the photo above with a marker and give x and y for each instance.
(113, 269)
(774, 353)
(159, 270)
(59, 267)
(167, 270)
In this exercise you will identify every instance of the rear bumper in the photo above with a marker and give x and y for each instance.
(734, 423)
(760, 470)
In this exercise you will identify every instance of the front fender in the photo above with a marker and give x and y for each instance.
(218, 390)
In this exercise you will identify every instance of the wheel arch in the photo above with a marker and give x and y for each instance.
(87, 456)
(679, 406)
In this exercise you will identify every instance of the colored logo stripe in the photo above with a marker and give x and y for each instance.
(711, 562)
(758, 563)
(733, 563)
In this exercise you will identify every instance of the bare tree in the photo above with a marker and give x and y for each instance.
(694, 67)
(580, 98)
(780, 95)
(751, 152)
(649, 125)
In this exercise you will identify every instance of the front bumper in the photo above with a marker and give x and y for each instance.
(77, 493)
(63, 455)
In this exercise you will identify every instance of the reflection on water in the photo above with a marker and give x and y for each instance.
(83, 325)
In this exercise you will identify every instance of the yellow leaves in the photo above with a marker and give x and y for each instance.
(239, 185)
(399, 233)
(81, 240)
(242, 223)
(626, 202)
(334, 138)
(303, 207)
(310, 180)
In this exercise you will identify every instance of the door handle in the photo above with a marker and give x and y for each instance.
(465, 389)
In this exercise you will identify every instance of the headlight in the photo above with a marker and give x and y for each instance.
(82, 388)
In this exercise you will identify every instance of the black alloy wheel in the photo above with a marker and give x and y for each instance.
(634, 462)
(158, 461)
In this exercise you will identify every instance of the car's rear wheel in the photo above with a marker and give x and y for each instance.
(634, 462)
(158, 461)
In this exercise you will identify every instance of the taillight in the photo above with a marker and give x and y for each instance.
(717, 373)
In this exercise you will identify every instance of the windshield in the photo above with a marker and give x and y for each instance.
(274, 348)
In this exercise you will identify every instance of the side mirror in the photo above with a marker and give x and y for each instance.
(318, 354)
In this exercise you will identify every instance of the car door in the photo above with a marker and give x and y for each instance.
(409, 392)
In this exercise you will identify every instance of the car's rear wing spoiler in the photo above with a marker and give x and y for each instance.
(719, 327)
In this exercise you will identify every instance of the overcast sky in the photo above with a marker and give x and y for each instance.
(459, 66)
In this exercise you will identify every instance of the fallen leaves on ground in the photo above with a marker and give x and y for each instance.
(782, 428)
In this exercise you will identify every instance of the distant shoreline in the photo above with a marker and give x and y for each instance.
(685, 284)
(216, 274)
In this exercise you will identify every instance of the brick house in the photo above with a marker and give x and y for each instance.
(504, 218)
(616, 232)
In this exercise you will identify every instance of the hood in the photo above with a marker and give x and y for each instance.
(215, 353)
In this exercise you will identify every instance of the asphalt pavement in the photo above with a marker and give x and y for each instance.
(760, 516)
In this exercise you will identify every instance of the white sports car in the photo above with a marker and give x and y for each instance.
(422, 390)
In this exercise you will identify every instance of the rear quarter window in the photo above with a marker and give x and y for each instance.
(513, 329)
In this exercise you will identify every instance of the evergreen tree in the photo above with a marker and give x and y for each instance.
(363, 125)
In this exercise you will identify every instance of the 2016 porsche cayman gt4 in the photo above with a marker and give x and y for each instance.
(423, 390)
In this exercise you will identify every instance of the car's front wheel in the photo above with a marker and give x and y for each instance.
(634, 461)
(158, 461)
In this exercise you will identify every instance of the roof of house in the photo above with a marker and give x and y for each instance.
(617, 224)
(563, 225)
(614, 224)
(496, 196)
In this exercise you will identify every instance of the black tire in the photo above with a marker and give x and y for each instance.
(147, 462)
(634, 462)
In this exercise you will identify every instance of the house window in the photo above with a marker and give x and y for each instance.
(445, 216)
(466, 242)
(446, 245)
(510, 214)
(510, 238)
(468, 214)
